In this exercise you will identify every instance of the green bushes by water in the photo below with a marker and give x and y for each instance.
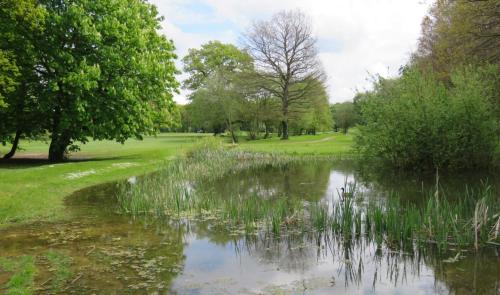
(417, 122)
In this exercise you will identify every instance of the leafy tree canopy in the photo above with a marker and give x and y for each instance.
(213, 57)
(103, 69)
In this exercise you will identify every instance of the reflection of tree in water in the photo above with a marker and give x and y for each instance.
(356, 261)
(308, 181)
(473, 274)
(291, 253)
(415, 186)
(359, 262)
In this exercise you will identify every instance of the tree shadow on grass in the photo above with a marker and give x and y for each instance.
(26, 162)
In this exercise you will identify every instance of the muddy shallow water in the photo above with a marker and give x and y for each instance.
(112, 253)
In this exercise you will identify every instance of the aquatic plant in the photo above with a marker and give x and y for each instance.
(23, 270)
(471, 220)
(61, 263)
(463, 222)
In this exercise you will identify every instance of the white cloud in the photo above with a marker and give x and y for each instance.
(356, 37)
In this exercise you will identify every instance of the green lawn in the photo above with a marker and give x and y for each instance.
(321, 144)
(32, 189)
(35, 189)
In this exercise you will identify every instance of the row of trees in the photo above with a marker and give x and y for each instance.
(80, 69)
(77, 70)
(444, 109)
(275, 83)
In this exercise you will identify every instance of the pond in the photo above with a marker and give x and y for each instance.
(111, 253)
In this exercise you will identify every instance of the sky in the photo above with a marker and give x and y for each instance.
(356, 38)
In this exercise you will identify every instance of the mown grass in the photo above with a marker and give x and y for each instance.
(33, 189)
(322, 144)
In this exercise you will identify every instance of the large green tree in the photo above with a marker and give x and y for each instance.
(107, 72)
(8, 76)
(21, 21)
(344, 115)
(457, 33)
(215, 74)
(313, 114)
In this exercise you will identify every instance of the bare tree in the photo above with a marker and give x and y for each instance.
(286, 57)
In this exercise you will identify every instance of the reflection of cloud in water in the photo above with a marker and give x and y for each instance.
(257, 264)
(229, 264)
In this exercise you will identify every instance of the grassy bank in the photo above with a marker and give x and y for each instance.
(33, 189)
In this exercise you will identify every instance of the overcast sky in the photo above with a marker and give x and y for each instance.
(356, 38)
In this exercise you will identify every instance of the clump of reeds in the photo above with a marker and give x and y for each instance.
(472, 220)
(172, 190)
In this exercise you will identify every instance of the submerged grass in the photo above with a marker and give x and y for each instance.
(61, 268)
(23, 269)
(471, 221)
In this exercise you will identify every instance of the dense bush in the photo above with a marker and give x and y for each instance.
(416, 122)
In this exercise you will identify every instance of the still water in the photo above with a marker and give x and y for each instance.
(116, 254)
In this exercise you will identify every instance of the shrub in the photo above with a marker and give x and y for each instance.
(416, 122)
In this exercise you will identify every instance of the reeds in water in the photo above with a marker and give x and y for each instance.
(470, 221)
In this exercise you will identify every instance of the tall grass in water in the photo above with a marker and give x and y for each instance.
(172, 190)
(470, 221)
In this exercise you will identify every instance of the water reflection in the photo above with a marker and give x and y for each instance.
(309, 182)
(314, 264)
(114, 254)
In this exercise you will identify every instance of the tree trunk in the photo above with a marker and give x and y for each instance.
(14, 146)
(267, 130)
(284, 129)
(233, 136)
(284, 122)
(58, 145)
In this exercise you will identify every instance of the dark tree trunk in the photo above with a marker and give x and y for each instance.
(15, 143)
(233, 136)
(267, 130)
(60, 139)
(284, 129)
(58, 145)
